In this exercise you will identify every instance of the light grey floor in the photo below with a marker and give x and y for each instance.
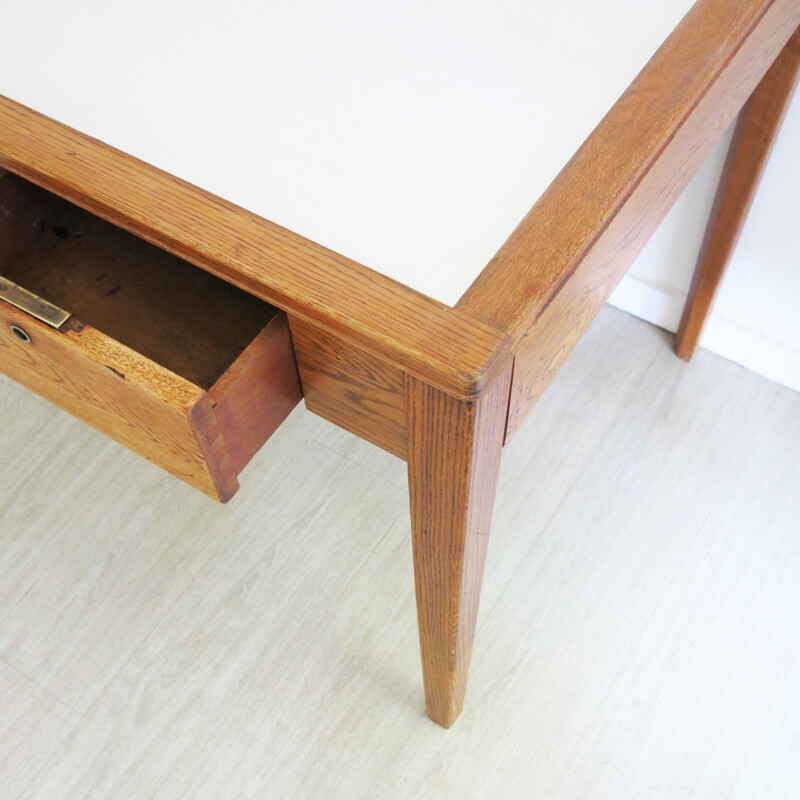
(639, 633)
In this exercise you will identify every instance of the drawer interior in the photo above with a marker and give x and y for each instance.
(185, 319)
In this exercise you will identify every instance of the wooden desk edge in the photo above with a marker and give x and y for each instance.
(423, 337)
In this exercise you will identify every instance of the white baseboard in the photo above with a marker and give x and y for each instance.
(662, 306)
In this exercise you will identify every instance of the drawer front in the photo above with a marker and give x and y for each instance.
(142, 405)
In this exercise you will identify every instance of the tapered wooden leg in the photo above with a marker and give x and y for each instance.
(753, 138)
(453, 460)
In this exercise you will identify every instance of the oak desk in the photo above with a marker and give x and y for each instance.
(412, 140)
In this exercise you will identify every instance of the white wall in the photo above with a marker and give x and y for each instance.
(756, 319)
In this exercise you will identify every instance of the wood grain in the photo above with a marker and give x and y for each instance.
(351, 387)
(553, 274)
(419, 335)
(453, 462)
(755, 134)
(257, 392)
(120, 393)
(204, 438)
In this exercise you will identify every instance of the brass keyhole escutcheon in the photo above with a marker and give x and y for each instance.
(20, 334)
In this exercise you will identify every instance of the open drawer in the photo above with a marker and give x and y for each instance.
(174, 363)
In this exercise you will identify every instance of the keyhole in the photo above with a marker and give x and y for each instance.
(20, 334)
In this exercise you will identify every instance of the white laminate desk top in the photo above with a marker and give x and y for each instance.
(411, 137)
